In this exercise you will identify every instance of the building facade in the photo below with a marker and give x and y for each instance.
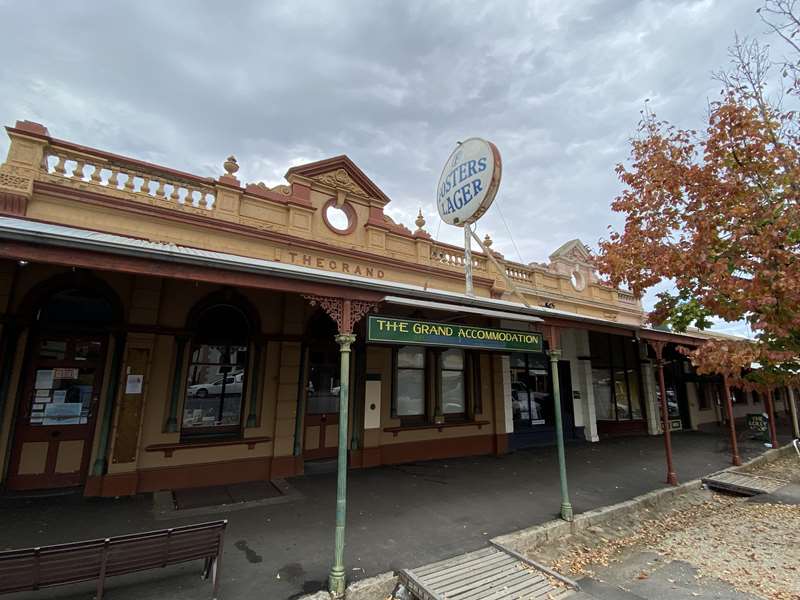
(163, 330)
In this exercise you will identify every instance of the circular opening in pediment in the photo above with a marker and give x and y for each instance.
(578, 281)
(337, 218)
(340, 220)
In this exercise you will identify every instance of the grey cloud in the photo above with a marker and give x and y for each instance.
(557, 85)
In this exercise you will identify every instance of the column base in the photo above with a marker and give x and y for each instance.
(336, 583)
(566, 511)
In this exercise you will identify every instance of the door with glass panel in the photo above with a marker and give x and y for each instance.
(57, 410)
(321, 435)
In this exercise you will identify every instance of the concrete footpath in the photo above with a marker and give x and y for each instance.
(398, 517)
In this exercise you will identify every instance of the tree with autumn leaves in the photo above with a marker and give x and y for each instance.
(717, 212)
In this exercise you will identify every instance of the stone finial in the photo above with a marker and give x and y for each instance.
(487, 241)
(420, 222)
(231, 166)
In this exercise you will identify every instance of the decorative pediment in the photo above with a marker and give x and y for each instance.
(573, 251)
(340, 173)
(340, 180)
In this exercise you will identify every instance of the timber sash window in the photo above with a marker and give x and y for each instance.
(410, 382)
(452, 392)
(433, 381)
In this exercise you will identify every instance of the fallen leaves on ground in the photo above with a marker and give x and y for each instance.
(755, 547)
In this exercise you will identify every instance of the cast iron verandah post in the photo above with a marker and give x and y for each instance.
(672, 478)
(345, 313)
(735, 458)
(555, 355)
(773, 431)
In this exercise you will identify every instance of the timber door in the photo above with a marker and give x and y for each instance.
(57, 411)
(322, 403)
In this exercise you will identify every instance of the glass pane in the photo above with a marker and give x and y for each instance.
(453, 359)
(215, 386)
(322, 395)
(518, 361)
(87, 350)
(601, 384)
(410, 392)
(53, 349)
(411, 357)
(599, 349)
(62, 396)
(621, 395)
(633, 386)
(452, 392)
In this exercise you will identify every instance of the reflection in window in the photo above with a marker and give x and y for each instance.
(215, 386)
(452, 390)
(323, 384)
(531, 402)
(410, 396)
(615, 377)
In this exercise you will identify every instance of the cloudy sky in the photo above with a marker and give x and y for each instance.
(557, 85)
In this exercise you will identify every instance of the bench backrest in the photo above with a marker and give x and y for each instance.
(34, 568)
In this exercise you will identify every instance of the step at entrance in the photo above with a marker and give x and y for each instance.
(743, 484)
(492, 572)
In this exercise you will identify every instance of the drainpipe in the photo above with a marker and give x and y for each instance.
(101, 462)
(172, 419)
(301, 403)
(255, 389)
(10, 338)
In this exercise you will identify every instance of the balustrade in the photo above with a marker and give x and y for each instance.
(140, 182)
(451, 257)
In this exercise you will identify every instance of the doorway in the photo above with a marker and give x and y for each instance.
(60, 388)
(321, 419)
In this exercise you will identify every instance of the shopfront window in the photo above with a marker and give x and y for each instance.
(215, 386)
(217, 373)
(410, 393)
(615, 377)
(531, 399)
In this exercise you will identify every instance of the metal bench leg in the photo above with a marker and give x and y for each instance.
(206, 567)
(215, 578)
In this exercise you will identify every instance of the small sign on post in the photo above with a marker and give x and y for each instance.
(758, 423)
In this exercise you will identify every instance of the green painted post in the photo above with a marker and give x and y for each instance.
(336, 581)
(252, 415)
(566, 506)
(101, 463)
(172, 419)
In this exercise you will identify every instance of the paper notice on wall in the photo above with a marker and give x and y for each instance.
(133, 384)
(65, 373)
(42, 394)
(59, 395)
(44, 379)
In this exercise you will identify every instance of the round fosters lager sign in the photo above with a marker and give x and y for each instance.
(469, 182)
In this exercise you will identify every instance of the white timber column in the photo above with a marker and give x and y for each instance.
(651, 398)
(583, 377)
(508, 409)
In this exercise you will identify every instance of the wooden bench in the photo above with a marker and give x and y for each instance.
(46, 566)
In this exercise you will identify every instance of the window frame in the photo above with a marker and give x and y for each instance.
(459, 416)
(216, 431)
(432, 369)
(410, 419)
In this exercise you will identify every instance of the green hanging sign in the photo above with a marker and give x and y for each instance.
(392, 330)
